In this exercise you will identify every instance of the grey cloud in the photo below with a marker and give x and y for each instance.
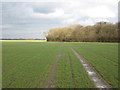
(16, 16)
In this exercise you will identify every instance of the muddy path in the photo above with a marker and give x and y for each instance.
(50, 81)
(93, 75)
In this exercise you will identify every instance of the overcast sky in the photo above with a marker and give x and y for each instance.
(30, 19)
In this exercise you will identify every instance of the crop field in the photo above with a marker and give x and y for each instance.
(103, 57)
(54, 64)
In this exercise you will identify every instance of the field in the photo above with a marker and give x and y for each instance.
(53, 64)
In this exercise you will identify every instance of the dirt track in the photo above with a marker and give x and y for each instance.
(50, 81)
(96, 79)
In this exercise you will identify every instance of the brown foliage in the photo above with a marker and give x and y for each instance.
(100, 32)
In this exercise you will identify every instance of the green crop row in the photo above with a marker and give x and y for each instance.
(103, 57)
(35, 64)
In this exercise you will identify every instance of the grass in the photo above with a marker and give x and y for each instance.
(28, 64)
(71, 73)
(103, 57)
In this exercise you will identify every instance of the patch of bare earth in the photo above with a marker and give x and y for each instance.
(98, 81)
(50, 81)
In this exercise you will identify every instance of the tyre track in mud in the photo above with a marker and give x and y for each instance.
(98, 81)
(50, 81)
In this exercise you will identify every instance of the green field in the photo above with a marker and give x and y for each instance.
(53, 64)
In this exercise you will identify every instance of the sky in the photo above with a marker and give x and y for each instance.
(32, 18)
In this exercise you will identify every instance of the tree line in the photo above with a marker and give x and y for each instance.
(100, 32)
